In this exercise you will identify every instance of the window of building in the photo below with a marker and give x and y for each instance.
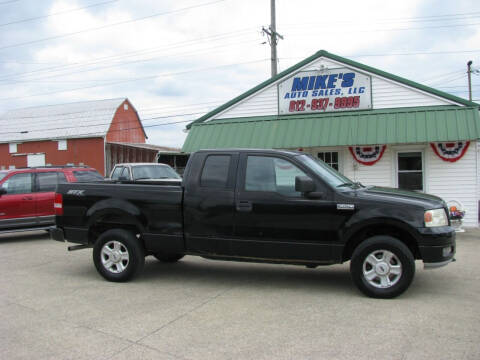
(265, 173)
(18, 184)
(125, 107)
(330, 158)
(62, 144)
(12, 148)
(410, 171)
(215, 171)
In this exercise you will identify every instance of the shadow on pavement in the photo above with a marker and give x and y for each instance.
(328, 278)
(24, 236)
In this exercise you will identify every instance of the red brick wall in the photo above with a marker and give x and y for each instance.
(126, 126)
(89, 151)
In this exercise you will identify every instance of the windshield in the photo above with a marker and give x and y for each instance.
(154, 172)
(327, 173)
(3, 174)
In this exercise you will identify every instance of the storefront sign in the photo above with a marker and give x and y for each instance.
(450, 151)
(320, 91)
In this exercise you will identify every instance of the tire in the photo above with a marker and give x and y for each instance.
(168, 258)
(382, 267)
(118, 255)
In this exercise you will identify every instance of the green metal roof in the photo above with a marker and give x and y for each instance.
(385, 126)
(326, 54)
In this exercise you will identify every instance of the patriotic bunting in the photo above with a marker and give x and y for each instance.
(367, 155)
(450, 151)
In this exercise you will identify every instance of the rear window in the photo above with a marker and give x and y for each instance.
(215, 171)
(87, 176)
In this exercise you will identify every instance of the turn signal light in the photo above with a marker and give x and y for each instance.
(58, 204)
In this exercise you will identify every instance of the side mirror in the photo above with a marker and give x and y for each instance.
(2, 191)
(304, 184)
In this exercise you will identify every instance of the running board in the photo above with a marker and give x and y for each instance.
(26, 229)
(78, 247)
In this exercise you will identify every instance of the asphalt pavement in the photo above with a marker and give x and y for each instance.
(54, 305)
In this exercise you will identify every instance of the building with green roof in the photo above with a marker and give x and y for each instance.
(373, 126)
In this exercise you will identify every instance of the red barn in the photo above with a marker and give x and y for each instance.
(75, 133)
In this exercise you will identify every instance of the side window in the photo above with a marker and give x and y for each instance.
(18, 184)
(215, 171)
(125, 173)
(116, 173)
(46, 181)
(266, 173)
(62, 178)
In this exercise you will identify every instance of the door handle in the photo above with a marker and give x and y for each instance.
(27, 198)
(244, 206)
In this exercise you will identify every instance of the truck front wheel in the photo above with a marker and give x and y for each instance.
(382, 267)
(118, 255)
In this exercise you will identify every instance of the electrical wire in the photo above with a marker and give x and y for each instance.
(111, 25)
(57, 13)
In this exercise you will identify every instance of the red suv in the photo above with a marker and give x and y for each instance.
(27, 195)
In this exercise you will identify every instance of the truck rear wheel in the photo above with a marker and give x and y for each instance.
(118, 255)
(382, 267)
(168, 258)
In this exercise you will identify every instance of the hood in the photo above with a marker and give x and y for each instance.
(393, 195)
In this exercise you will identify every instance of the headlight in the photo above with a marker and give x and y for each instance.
(436, 217)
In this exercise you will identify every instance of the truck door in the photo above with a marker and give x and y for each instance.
(209, 202)
(272, 220)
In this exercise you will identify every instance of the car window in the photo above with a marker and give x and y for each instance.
(153, 172)
(18, 184)
(215, 171)
(47, 181)
(116, 172)
(62, 178)
(266, 173)
(125, 173)
(87, 175)
(3, 174)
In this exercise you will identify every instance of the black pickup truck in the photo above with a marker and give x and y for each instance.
(259, 206)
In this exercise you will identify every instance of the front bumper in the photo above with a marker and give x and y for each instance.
(437, 246)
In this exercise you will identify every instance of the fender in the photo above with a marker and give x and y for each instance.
(353, 229)
(117, 211)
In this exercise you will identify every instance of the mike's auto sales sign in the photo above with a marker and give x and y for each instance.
(320, 91)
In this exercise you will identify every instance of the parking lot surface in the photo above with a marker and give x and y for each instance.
(54, 305)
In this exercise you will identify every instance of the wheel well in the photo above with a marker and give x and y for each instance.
(373, 230)
(100, 227)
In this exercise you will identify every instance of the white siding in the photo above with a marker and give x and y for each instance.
(385, 94)
(455, 181)
(379, 174)
(260, 104)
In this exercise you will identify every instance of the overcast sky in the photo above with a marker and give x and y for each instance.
(176, 60)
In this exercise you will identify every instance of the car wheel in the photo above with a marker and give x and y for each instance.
(382, 267)
(118, 255)
(168, 258)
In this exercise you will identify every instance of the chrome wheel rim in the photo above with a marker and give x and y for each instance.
(115, 257)
(382, 269)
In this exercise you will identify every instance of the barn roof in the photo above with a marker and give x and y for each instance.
(74, 120)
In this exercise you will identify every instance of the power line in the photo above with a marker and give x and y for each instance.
(176, 45)
(133, 80)
(5, 81)
(111, 25)
(57, 13)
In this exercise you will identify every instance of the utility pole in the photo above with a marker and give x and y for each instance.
(469, 72)
(272, 37)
